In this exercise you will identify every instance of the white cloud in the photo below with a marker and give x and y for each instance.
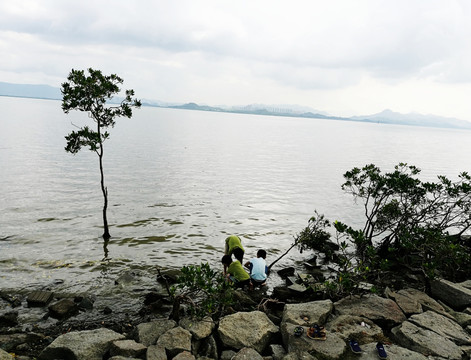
(346, 57)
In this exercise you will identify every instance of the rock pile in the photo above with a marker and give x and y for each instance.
(411, 325)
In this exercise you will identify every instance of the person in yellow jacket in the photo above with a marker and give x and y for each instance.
(233, 243)
(235, 272)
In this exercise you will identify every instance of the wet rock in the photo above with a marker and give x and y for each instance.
(148, 333)
(9, 342)
(156, 352)
(9, 319)
(361, 329)
(285, 272)
(85, 302)
(107, 310)
(63, 309)
(425, 341)
(128, 348)
(454, 295)
(442, 326)
(125, 279)
(185, 355)
(5, 356)
(199, 329)
(247, 354)
(39, 298)
(81, 345)
(247, 329)
(175, 341)
(384, 312)
(308, 313)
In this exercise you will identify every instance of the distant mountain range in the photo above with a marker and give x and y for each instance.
(384, 117)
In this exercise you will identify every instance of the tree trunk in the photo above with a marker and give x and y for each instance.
(106, 233)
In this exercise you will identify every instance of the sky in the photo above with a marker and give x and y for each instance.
(343, 57)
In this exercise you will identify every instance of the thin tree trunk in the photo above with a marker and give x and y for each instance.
(106, 233)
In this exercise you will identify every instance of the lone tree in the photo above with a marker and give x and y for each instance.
(90, 93)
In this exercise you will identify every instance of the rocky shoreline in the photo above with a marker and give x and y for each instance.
(411, 323)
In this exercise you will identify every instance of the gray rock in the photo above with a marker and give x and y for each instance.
(208, 347)
(299, 355)
(81, 345)
(156, 352)
(384, 312)
(454, 295)
(247, 354)
(119, 357)
(332, 348)
(247, 329)
(466, 284)
(185, 355)
(393, 351)
(8, 319)
(425, 341)
(277, 351)
(128, 348)
(347, 326)
(308, 313)
(9, 342)
(227, 354)
(5, 356)
(442, 326)
(63, 308)
(199, 329)
(175, 340)
(409, 305)
(148, 333)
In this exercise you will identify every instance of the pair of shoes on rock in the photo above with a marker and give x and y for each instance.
(357, 349)
(316, 332)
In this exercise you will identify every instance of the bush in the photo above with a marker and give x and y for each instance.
(204, 290)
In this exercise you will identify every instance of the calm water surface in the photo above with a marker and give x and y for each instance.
(179, 182)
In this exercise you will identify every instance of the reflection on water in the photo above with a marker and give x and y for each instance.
(179, 182)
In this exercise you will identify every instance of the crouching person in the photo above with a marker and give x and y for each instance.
(258, 268)
(234, 272)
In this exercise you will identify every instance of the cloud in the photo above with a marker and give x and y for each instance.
(215, 50)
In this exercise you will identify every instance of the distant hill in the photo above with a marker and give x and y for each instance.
(391, 117)
(30, 91)
(384, 117)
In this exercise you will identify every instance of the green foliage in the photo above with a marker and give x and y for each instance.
(205, 290)
(407, 226)
(90, 93)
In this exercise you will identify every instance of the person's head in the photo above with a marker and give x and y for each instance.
(238, 254)
(261, 254)
(226, 260)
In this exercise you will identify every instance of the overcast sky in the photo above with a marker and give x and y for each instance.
(345, 57)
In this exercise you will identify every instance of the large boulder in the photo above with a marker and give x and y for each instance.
(176, 340)
(332, 348)
(199, 329)
(128, 348)
(355, 327)
(156, 352)
(425, 301)
(395, 352)
(384, 312)
(441, 325)
(314, 312)
(148, 333)
(81, 345)
(425, 341)
(247, 329)
(454, 295)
